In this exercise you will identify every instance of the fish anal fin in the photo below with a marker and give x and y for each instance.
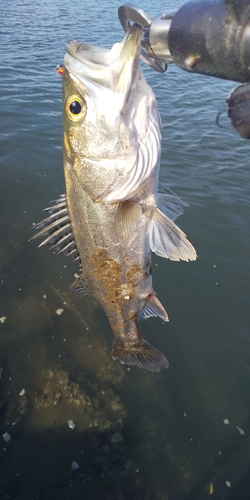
(127, 215)
(167, 240)
(80, 286)
(153, 307)
(139, 353)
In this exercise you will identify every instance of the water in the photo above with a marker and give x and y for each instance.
(166, 436)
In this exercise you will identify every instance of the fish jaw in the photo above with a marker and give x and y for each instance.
(109, 76)
(113, 69)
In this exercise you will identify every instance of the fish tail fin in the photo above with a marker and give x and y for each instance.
(139, 353)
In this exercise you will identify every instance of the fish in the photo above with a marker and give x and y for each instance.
(112, 216)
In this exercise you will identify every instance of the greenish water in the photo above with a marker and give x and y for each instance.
(174, 435)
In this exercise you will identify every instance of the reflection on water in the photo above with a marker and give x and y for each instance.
(180, 434)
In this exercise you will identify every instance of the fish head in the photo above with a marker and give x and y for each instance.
(98, 87)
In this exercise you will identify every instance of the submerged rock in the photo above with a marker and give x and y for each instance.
(63, 402)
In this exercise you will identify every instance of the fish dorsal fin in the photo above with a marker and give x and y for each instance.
(153, 308)
(80, 286)
(57, 229)
(127, 215)
(170, 205)
(168, 240)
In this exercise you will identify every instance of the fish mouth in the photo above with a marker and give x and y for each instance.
(111, 68)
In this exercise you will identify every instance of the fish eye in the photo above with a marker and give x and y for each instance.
(75, 108)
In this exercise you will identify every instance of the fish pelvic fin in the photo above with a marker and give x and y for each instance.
(127, 216)
(167, 240)
(139, 353)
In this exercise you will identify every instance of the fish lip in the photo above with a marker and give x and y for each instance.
(98, 68)
(73, 48)
(129, 48)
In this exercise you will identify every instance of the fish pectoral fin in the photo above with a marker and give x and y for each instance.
(170, 205)
(167, 240)
(80, 286)
(127, 215)
(139, 353)
(153, 308)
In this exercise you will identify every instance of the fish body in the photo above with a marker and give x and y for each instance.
(118, 277)
(112, 216)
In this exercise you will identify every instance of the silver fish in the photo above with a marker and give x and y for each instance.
(112, 217)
